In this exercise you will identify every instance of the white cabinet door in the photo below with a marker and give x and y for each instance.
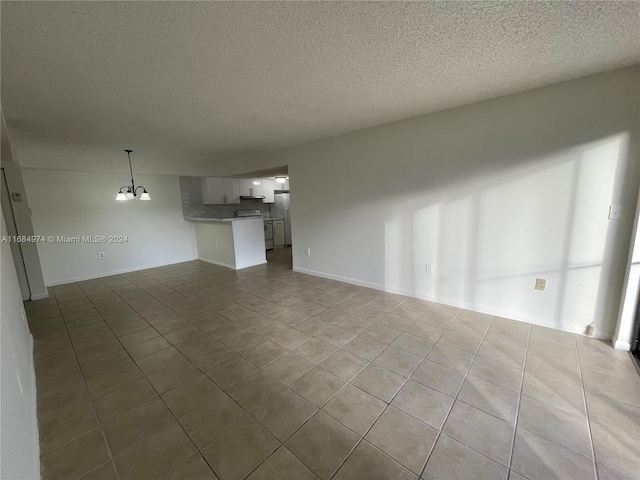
(250, 187)
(268, 187)
(212, 190)
(231, 190)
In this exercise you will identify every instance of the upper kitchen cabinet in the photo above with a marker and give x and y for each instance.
(218, 190)
(250, 187)
(268, 188)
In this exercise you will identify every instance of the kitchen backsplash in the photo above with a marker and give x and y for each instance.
(192, 207)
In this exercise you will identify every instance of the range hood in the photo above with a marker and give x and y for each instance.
(252, 197)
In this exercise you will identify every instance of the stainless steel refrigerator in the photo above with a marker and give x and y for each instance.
(280, 209)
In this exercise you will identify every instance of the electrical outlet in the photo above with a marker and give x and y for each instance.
(429, 268)
(615, 211)
(541, 283)
(307, 251)
(101, 254)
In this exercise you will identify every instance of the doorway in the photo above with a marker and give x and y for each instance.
(12, 232)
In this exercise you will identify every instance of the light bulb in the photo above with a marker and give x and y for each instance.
(145, 196)
(121, 196)
(281, 180)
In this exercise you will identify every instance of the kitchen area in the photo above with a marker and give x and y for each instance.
(240, 222)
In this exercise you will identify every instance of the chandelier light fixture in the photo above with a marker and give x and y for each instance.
(281, 180)
(130, 192)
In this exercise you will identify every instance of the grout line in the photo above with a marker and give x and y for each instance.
(586, 410)
(455, 399)
(517, 415)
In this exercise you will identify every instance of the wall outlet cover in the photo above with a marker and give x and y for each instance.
(541, 284)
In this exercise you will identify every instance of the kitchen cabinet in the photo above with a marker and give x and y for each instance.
(219, 190)
(248, 187)
(268, 188)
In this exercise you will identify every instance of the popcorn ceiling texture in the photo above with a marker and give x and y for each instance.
(188, 84)
(192, 207)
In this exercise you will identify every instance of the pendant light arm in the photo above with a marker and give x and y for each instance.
(133, 186)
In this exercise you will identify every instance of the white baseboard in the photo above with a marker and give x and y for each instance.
(620, 345)
(476, 308)
(39, 296)
(221, 264)
(116, 272)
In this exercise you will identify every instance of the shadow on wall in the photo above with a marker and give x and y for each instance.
(487, 240)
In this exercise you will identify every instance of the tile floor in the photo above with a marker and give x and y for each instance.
(193, 371)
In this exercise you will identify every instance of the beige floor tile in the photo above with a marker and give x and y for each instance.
(561, 353)
(314, 350)
(617, 450)
(195, 345)
(148, 348)
(413, 344)
(559, 395)
(212, 357)
(471, 323)
(171, 325)
(59, 430)
(461, 341)
(451, 357)
(606, 473)
(183, 334)
(291, 338)
(364, 347)
(189, 395)
(480, 431)
(240, 450)
(172, 376)
(255, 390)
(288, 368)
(621, 389)
(212, 419)
(552, 335)
(498, 401)
(284, 414)
(443, 379)
(136, 424)
(368, 462)
(398, 361)
(231, 372)
(344, 364)
(243, 341)
(194, 468)
(404, 438)
(322, 444)
(511, 355)
(124, 399)
(355, 409)
(537, 458)
(555, 425)
(158, 361)
(424, 403)
(317, 386)
(554, 370)
(91, 353)
(451, 459)
(335, 335)
(105, 364)
(382, 333)
(282, 464)
(156, 455)
(439, 315)
(264, 353)
(378, 381)
(496, 373)
(103, 472)
(617, 415)
(114, 379)
(76, 457)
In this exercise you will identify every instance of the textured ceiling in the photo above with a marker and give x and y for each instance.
(187, 83)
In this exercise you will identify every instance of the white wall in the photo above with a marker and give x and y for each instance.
(248, 243)
(20, 450)
(492, 195)
(215, 243)
(22, 217)
(80, 203)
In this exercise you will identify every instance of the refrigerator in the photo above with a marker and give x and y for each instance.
(280, 209)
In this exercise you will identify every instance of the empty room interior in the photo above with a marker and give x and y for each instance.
(320, 240)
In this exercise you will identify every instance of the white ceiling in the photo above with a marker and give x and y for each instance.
(187, 83)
